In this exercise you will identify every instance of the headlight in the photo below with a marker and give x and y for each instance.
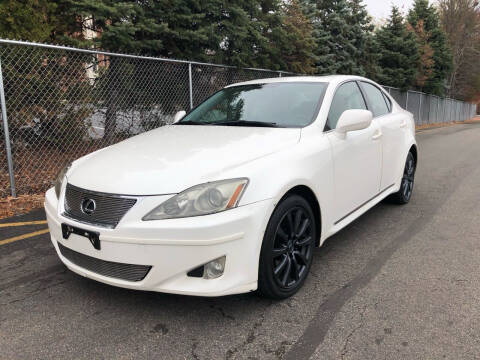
(201, 199)
(59, 180)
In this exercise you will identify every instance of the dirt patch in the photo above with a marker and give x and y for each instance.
(20, 205)
(36, 168)
(438, 125)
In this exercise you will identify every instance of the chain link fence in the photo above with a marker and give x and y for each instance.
(62, 103)
(431, 109)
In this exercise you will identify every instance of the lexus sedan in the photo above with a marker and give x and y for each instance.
(235, 195)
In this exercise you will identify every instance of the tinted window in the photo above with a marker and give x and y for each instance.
(287, 104)
(376, 100)
(347, 97)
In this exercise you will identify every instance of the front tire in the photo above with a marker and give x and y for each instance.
(404, 195)
(287, 249)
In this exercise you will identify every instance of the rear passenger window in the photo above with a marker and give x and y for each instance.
(376, 100)
(347, 97)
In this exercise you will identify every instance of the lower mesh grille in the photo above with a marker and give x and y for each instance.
(111, 269)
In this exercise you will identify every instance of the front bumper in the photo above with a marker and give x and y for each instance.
(172, 247)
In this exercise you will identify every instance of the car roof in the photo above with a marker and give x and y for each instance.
(325, 79)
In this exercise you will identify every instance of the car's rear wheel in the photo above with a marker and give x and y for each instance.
(287, 249)
(404, 195)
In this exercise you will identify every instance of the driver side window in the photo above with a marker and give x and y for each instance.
(347, 97)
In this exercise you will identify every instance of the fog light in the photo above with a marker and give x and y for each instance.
(214, 268)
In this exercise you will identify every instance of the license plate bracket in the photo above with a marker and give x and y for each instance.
(93, 236)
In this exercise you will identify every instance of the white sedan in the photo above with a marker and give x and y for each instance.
(234, 196)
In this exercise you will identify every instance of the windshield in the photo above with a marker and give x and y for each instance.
(293, 104)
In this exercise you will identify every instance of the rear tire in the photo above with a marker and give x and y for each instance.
(287, 248)
(404, 195)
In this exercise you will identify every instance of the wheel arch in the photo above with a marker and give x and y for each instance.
(308, 194)
(413, 149)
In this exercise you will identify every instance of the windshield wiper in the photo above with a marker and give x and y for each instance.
(246, 123)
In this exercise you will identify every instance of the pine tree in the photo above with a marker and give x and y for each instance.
(341, 31)
(398, 53)
(36, 20)
(363, 42)
(26, 20)
(426, 15)
(299, 42)
(239, 26)
(269, 54)
(178, 29)
(333, 38)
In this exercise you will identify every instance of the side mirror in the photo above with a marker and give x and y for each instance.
(179, 116)
(352, 120)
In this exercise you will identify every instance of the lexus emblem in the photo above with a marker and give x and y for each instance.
(88, 206)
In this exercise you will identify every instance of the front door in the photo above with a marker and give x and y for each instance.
(357, 157)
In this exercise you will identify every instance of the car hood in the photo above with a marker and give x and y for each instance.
(173, 158)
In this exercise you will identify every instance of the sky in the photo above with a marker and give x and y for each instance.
(380, 9)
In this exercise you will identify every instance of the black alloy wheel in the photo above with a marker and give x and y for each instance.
(404, 195)
(287, 249)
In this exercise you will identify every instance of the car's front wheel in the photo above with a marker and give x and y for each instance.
(287, 249)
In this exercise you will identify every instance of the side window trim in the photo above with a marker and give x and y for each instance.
(388, 101)
(364, 95)
(367, 100)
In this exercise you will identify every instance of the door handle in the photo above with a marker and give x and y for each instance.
(378, 134)
(403, 123)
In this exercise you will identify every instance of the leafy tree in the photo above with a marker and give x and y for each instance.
(460, 20)
(424, 20)
(426, 63)
(398, 53)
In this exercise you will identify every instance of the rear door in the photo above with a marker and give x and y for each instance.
(357, 157)
(392, 132)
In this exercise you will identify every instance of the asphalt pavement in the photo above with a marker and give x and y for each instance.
(401, 282)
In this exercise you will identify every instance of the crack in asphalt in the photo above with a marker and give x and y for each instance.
(40, 289)
(279, 351)
(194, 350)
(48, 272)
(349, 336)
(222, 312)
(251, 334)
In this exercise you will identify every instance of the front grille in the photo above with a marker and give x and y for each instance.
(109, 208)
(111, 269)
